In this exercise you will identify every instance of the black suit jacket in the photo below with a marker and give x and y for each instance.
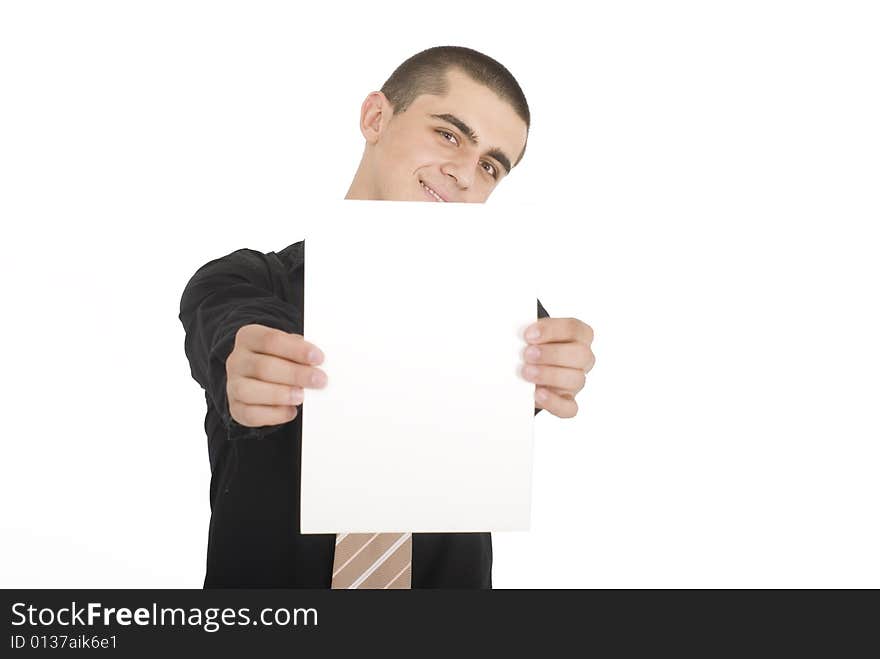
(254, 539)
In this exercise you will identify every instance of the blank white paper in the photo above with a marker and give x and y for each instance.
(426, 423)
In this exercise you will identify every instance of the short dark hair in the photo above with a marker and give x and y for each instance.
(425, 73)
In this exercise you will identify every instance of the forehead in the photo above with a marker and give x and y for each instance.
(493, 119)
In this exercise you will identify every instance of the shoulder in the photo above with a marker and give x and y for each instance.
(245, 262)
(542, 312)
(292, 257)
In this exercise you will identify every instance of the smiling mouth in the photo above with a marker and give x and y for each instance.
(431, 192)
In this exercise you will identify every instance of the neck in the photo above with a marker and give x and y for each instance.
(361, 185)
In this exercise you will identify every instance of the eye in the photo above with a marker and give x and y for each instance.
(446, 134)
(491, 171)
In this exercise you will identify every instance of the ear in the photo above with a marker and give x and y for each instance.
(375, 115)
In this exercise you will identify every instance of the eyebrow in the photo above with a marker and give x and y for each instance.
(495, 153)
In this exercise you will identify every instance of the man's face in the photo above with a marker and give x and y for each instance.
(428, 145)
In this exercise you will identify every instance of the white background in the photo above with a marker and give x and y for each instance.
(711, 174)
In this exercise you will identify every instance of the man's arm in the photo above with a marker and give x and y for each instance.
(221, 297)
(542, 313)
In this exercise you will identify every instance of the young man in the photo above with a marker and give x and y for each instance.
(447, 126)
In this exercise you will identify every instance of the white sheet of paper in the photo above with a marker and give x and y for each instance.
(426, 423)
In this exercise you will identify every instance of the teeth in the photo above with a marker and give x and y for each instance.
(436, 196)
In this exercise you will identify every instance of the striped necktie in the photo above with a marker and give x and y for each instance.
(372, 560)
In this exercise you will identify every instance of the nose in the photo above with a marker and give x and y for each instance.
(461, 170)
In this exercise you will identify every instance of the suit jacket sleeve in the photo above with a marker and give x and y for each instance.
(222, 296)
(542, 313)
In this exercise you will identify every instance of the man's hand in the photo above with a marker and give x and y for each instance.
(266, 374)
(558, 359)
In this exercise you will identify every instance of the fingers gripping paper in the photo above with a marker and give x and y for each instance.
(426, 423)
